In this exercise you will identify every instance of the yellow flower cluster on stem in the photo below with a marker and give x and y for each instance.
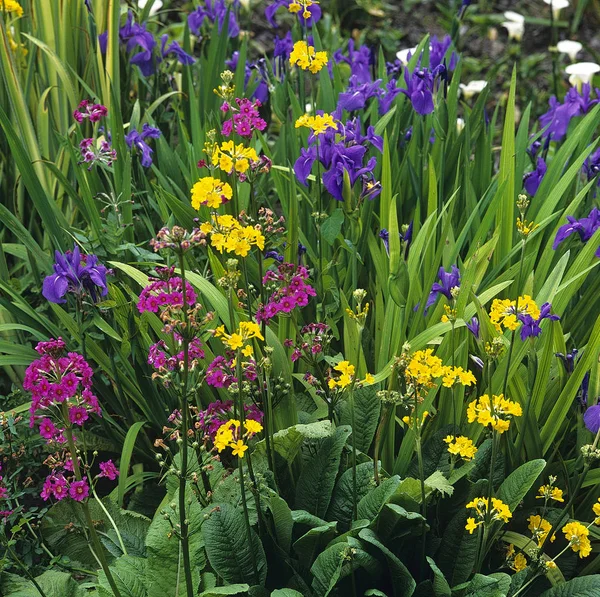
(11, 6)
(461, 446)
(227, 234)
(318, 124)
(549, 492)
(228, 435)
(504, 312)
(578, 537)
(307, 58)
(211, 192)
(233, 158)
(247, 331)
(425, 368)
(495, 413)
(483, 515)
(539, 528)
(516, 561)
(302, 5)
(346, 376)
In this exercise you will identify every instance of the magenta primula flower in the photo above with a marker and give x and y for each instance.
(79, 490)
(108, 470)
(165, 292)
(87, 109)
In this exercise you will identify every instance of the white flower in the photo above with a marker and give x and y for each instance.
(557, 6)
(581, 73)
(155, 6)
(402, 55)
(460, 124)
(514, 24)
(472, 88)
(569, 47)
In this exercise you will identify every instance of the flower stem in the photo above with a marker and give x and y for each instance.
(353, 425)
(21, 565)
(183, 522)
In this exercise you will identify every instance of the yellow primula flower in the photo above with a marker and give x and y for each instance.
(596, 509)
(578, 537)
(307, 58)
(504, 312)
(548, 492)
(228, 235)
(211, 192)
(319, 124)
(369, 379)
(539, 528)
(252, 426)
(483, 515)
(480, 410)
(11, 6)
(516, 561)
(231, 157)
(238, 448)
(461, 446)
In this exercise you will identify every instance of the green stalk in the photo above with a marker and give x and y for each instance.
(419, 452)
(353, 425)
(97, 546)
(184, 530)
(17, 560)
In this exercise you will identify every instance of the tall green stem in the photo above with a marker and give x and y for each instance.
(97, 546)
(25, 569)
(183, 522)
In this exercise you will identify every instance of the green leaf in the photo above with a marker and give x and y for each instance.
(327, 568)
(371, 504)
(282, 521)
(340, 508)
(441, 587)
(494, 585)
(285, 593)
(126, 453)
(227, 547)
(236, 589)
(313, 542)
(519, 482)
(52, 582)
(402, 581)
(585, 586)
(129, 574)
(332, 226)
(317, 479)
(366, 412)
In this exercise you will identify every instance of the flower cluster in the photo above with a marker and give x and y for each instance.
(211, 192)
(236, 159)
(11, 7)
(345, 376)
(164, 359)
(221, 372)
(539, 528)
(77, 273)
(308, 11)
(238, 339)
(549, 492)
(227, 234)
(59, 382)
(96, 151)
(317, 124)
(217, 413)
(87, 109)
(307, 58)
(578, 537)
(495, 413)
(508, 313)
(291, 290)
(515, 561)
(420, 87)
(461, 446)
(215, 11)
(448, 285)
(59, 487)
(499, 511)
(177, 239)
(245, 118)
(230, 435)
(424, 368)
(136, 139)
(342, 151)
(585, 227)
(135, 36)
(315, 338)
(165, 293)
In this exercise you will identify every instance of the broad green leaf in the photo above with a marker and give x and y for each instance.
(129, 574)
(370, 505)
(519, 482)
(340, 508)
(236, 589)
(366, 416)
(327, 568)
(585, 586)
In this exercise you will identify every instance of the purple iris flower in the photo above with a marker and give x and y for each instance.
(556, 120)
(138, 140)
(313, 9)
(261, 93)
(134, 35)
(532, 180)
(174, 48)
(568, 360)
(531, 327)
(586, 227)
(350, 160)
(533, 149)
(384, 235)
(386, 99)
(360, 62)
(591, 418)
(304, 163)
(448, 281)
(584, 388)
(357, 95)
(274, 255)
(437, 53)
(473, 327)
(215, 11)
(88, 5)
(420, 87)
(591, 166)
(74, 272)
